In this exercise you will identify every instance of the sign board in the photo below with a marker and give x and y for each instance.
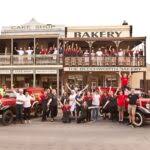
(46, 71)
(19, 71)
(33, 27)
(99, 31)
(5, 71)
(87, 69)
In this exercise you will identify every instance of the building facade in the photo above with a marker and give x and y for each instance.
(36, 54)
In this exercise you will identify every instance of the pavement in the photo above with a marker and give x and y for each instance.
(100, 135)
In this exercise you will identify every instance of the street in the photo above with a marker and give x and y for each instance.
(100, 135)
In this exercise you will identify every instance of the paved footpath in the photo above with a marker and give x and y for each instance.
(101, 135)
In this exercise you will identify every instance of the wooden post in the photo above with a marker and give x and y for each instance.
(34, 47)
(58, 82)
(144, 81)
(145, 53)
(90, 46)
(11, 63)
(34, 78)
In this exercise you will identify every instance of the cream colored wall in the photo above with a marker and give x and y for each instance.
(136, 77)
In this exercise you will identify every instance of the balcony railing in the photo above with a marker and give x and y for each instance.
(23, 60)
(4, 60)
(72, 61)
(104, 61)
(48, 59)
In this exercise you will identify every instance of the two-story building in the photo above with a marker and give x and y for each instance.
(104, 51)
(29, 55)
(35, 54)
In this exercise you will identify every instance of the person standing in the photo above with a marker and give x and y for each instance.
(64, 98)
(45, 100)
(95, 105)
(121, 105)
(29, 52)
(27, 107)
(88, 99)
(133, 98)
(20, 98)
(78, 101)
(72, 102)
(20, 53)
(53, 105)
(99, 55)
(83, 115)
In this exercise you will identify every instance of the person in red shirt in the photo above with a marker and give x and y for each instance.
(121, 105)
(66, 112)
(43, 51)
(124, 80)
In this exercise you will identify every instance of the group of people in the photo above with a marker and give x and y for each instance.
(106, 56)
(82, 105)
(75, 50)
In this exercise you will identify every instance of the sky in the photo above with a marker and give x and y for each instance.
(80, 12)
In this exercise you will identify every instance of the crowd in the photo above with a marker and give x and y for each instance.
(98, 56)
(82, 105)
(75, 50)
(103, 56)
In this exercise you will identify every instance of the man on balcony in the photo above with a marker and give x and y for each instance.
(20, 53)
(99, 55)
(29, 52)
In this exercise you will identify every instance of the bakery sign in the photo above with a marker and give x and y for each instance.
(111, 69)
(99, 32)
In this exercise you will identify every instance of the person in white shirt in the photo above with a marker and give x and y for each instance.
(99, 55)
(95, 105)
(29, 52)
(93, 57)
(86, 57)
(120, 57)
(55, 53)
(20, 98)
(27, 106)
(20, 53)
(72, 102)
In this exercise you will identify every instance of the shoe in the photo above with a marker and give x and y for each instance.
(129, 124)
(52, 120)
(133, 126)
(25, 121)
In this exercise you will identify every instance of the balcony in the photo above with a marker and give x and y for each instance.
(31, 60)
(4, 60)
(104, 61)
(48, 59)
(23, 60)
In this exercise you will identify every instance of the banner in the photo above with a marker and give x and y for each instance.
(84, 69)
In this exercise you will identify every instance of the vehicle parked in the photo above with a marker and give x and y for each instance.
(142, 111)
(8, 105)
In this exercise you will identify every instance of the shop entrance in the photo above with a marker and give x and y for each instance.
(93, 79)
(104, 80)
(46, 81)
(23, 81)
